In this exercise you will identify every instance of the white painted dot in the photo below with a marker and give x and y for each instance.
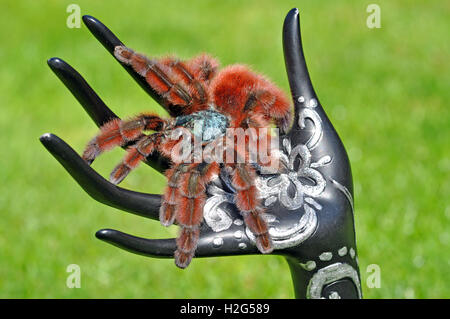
(310, 265)
(242, 245)
(238, 234)
(342, 251)
(334, 295)
(312, 103)
(301, 99)
(326, 256)
(238, 222)
(217, 242)
(352, 253)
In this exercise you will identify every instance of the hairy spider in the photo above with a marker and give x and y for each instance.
(205, 102)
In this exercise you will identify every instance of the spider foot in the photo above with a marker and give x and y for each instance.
(167, 214)
(119, 173)
(91, 152)
(264, 243)
(187, 243)
(123, 54)
(258, 226)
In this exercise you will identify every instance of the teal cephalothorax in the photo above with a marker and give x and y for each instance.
(206, 125)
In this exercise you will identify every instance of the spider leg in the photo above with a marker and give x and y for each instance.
(268, 100)
(191, 200)
(196, 74)
(157, 74)
(135, 155)
(174, 175)
(180, 84)
(120, 133)
(243, 177)
(275, 104)
(171, 195)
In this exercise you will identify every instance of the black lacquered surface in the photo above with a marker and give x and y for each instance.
(313, 227)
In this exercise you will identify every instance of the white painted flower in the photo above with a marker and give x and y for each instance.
(291, 187)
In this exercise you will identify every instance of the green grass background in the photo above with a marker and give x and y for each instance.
(386, 91)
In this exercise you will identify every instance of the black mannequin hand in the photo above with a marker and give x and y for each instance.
(309, 208)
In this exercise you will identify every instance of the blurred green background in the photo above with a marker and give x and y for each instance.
(384, 89)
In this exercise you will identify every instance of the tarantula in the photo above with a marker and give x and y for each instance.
(205, 102)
